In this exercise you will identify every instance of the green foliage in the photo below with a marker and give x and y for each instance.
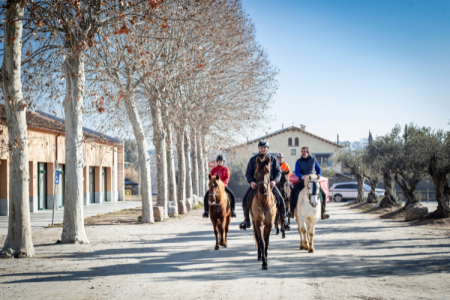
(238, 170)
(327, 172)
(130, 151)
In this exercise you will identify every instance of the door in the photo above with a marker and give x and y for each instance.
(42, 186)
(104, 184)
(91, 184)
(61, 185)
(355, 190)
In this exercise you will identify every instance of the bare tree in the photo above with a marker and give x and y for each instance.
(19, 229)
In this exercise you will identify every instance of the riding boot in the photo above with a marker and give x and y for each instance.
(291, 207)
(246, 224)
(282, 208)
(323, 215)
(206, 205)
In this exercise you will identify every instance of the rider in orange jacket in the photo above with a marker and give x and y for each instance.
(224, 175)
(284, 167)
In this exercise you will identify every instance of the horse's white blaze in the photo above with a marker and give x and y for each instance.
(307, 216)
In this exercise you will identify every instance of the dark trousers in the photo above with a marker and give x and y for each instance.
(281, 206)
(298, 188)
(228, 190)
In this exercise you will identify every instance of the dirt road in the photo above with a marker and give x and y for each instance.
(357, 257)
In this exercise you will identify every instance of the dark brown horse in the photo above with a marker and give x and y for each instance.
(263, 209)
(219, 210)
(285, 189)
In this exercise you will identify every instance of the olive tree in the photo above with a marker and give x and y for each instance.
(353, 161)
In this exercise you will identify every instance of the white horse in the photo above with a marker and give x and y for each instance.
(307, 212)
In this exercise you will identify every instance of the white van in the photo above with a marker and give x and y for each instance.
(349, 190)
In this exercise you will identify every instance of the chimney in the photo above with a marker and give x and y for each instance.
(302, 127)
(338, 139)
(282, 126)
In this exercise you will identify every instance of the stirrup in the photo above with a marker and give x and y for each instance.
(286, 226)
(205, 214)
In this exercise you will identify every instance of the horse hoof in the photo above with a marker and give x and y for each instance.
(301, 248)
(225, 245)
(277, 233)
(259, 258)
(265, 267)
(216, 248)
(311, 250)
(283, 236)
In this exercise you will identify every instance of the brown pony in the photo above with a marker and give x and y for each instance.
(285, 190)
(263, 209)
(219, 210)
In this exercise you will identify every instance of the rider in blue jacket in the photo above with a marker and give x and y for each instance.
(305, 166)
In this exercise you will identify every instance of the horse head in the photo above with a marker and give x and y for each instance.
(216, 189)
(283, 184)
(312, 184)
(262, 175)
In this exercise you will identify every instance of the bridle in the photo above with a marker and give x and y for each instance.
(314, 191)
(214, 195)
(264, 182)
(265, 211)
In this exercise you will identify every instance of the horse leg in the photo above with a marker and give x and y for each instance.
(276, 225)
(303, 234)
(216, 233)
(261, 246)
(266, 246)
(221, 233)
(227, 227)
(311, 231)
(255, 234)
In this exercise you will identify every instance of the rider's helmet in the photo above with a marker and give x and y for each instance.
(263, 143)
(220, 157)
(280, 155)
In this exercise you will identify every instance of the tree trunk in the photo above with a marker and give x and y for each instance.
(388, 200)
(360, 181)
(187, 154)
(73, 225)
(442, 190)
(408, 187)
(19, 229)
(181, 187)
(159, 140)
(194, 162)
(171, 189)
(372, 197)
(144, 159)
(201, 169)
(205, 163)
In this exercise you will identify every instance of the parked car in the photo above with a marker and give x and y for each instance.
(349, 190)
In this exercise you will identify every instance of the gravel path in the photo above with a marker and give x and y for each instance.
(357, 257)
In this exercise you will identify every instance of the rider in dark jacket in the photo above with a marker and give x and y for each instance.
(275, 175)
(305, 166)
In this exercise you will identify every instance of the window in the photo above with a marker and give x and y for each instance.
(293, 152)
(345, 187)
(296, 142)
(290, 142)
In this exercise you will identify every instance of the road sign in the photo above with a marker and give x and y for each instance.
(212, 164)
(57, 177)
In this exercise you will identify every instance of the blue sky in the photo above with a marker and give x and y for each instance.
(348, 66)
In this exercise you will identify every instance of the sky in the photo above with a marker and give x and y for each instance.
(350, 66)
